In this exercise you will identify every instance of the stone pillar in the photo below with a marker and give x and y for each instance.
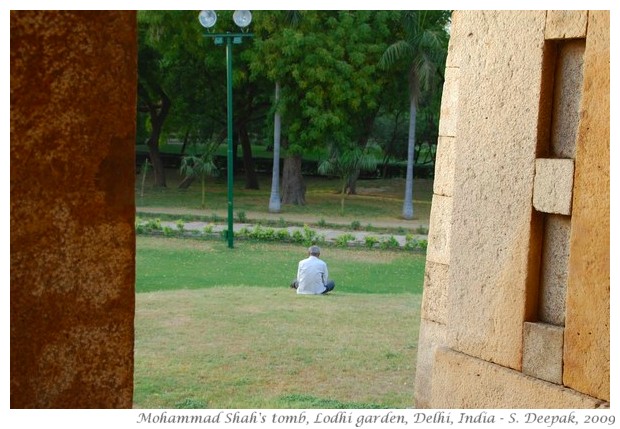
(587, 335)
(515, 312)
(73, 100)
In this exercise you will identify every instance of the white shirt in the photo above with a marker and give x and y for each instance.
(311, 276)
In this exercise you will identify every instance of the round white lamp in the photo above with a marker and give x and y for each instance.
(207, 18)
(242, 18)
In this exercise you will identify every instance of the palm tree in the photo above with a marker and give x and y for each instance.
(423, 48)
(345, 163)
(200, 166)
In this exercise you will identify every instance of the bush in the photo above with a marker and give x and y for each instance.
(168, 232)
(208, 229)
(297, 236)
(309, 236)
(343, 240)
(268, 234)
(259, 233)
(180, 226)
(389, 243)
(370, 241)
(153, 225)
(356, 225)
(413, 244)
(140, 229)
(283, 235)
(242, 217)
(243, 232)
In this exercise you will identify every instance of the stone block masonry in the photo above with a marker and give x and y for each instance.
(542, 351)
(587, 335)
(553, 185)
(462, 381)
(515, 311)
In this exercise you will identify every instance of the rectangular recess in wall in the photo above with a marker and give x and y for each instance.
(568, 86)
(554, 269)
(561, 91)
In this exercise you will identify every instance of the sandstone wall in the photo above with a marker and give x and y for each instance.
(73, 98)
(515, 310)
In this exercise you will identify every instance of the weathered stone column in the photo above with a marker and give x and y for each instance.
(516, 305)
(73, 98)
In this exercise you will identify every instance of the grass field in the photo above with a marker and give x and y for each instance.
(376, 199)
(219, 328)
(167, 263)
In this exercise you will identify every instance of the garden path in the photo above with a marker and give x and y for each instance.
(337, 226)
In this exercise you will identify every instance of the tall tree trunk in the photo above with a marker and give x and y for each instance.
(158, 116)
(384, 165)
(203, 183)
(293, 186)
(342, 196)
(251, 180)
(185, 140)
(186, 182)
(274, 198)
(351, 187)
(408, 204)
(158, 165)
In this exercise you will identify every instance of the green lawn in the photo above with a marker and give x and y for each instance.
(164, 264)
(376, 199)
(219, 328)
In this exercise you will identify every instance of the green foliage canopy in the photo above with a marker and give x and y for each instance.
(327, 66)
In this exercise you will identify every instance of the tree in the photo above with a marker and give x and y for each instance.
(274, 198)
(290, 18)
(346, 163)
(424, 48)
(153, 100)
(390, 133)
(330, 83)
(173, 80)
(201, 166)
(272, 31)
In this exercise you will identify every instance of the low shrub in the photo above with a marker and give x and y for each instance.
(370, 241)
(168, 232)
(283, 235)
(153, 225)
(412, 243)
(389, 243)
(343, 240)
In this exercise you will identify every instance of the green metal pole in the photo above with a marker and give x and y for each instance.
(229, 104)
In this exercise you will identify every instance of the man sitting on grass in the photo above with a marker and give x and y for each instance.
(312, 275)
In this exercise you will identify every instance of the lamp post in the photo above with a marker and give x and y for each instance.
(242, 19)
